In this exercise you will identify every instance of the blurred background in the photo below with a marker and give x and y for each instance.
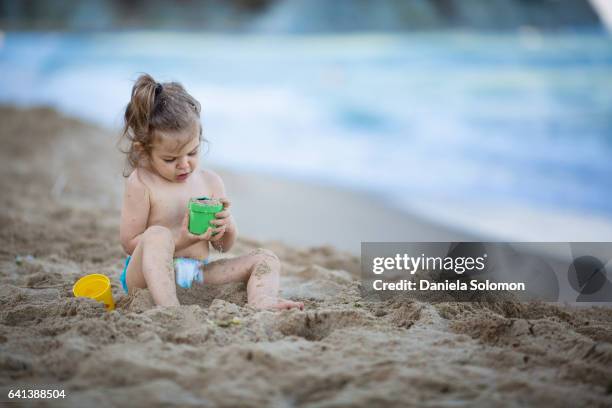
(492, 116)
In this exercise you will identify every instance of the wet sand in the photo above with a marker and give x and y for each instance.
(61, 184)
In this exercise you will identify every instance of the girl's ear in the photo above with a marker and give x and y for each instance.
(138, 146)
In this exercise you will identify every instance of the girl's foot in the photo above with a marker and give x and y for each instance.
(276, 304)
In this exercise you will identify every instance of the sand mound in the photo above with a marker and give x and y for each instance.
(60, 221)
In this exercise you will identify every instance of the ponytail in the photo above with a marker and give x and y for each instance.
(138, 111)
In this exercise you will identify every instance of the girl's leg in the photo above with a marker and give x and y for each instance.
(260, 269)
(151, 266)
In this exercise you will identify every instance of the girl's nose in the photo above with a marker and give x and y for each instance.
(183, 163)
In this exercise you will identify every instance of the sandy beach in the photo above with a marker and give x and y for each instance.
(61, 192)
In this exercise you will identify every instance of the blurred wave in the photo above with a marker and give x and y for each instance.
(457, 118)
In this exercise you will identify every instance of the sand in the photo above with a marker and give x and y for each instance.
(61, 190)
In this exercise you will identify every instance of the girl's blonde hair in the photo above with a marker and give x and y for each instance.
(155, 107)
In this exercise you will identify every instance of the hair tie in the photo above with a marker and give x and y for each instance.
(158, 89)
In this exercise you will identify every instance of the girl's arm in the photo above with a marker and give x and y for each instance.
(134, 213)
(229, 237)
(227, 240)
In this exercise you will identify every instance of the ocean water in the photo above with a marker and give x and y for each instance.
(443, 124)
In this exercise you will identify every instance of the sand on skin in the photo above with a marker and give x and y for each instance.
(61, 188)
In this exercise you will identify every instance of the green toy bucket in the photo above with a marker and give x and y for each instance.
(202, 211)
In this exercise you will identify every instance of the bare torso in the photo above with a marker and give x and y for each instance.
(169, 204)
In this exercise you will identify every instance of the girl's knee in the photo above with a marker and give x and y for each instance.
(158, 233)
(265, 255)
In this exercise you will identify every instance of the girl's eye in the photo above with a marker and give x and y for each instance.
(168, 160)
(193, 153)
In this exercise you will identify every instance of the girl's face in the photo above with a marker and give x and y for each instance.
(173, 159)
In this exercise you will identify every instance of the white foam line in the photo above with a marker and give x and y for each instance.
(603, 8)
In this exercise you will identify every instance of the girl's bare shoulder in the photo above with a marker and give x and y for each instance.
(213, 180)
(139, 180)
(136, 176)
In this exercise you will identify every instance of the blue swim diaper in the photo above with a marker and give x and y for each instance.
(186, 270)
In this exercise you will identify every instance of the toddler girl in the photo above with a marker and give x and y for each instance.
(162, 126)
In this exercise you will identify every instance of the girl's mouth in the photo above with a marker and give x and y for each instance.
(182, 176)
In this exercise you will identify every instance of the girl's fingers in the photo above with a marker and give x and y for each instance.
(219, 232)
(226, 203)
(219, 222)
(217, 237)
(206, 236)
(223, 200)
(222, 214)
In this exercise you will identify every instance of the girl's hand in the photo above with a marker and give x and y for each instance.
(186, 238)
(223, 220)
